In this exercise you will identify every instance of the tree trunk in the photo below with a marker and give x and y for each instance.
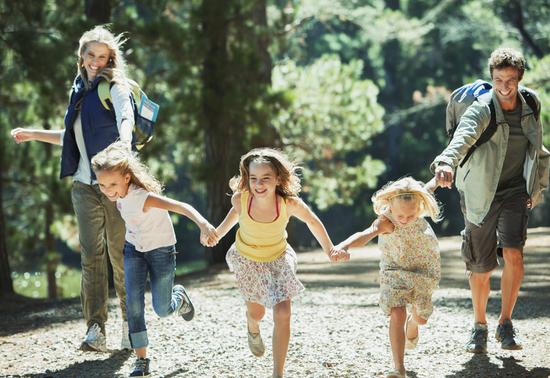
(220, 139)
(6, 284)
(235, 73)
(515, 13)
(52, 255)
(390, 98)
(98, 10)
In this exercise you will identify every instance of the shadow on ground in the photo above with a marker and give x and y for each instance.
(480, 366)
(104, 368)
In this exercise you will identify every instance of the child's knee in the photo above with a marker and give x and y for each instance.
(398, 313)
(256, 312)
(281, 312)
(420, 320)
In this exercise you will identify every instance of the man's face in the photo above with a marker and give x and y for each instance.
(505, 83)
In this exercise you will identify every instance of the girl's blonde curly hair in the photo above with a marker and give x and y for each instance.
(285, 170)
(119, 158)
(407, 189)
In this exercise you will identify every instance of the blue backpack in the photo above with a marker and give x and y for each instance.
(463, 97)
(145, 112)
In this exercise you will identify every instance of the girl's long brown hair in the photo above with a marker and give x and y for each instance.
(285, 170)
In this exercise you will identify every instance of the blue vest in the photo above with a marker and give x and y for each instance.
(99, 126)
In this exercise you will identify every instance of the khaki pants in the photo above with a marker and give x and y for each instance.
(101, 232)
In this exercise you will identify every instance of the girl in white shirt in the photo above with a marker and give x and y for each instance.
(150, 241)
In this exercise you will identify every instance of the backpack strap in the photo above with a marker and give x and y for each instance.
(485, 135)
(104, 93)
(530, 100)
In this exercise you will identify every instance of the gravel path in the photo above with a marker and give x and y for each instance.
(337, 328)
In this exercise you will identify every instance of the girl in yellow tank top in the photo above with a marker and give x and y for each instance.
(265, 196)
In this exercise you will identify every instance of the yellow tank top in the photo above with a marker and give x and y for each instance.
(259, 241)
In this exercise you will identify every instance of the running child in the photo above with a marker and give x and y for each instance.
(265, 196)
(410, 266)
(150, 241)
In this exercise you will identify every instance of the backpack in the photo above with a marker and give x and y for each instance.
(145, 112)
(463, 97)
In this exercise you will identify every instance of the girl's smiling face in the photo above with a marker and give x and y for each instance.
(95, 57)
(262, 179)
(404, 211)
(113, 184)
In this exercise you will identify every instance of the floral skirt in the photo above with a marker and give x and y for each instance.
(266, 283)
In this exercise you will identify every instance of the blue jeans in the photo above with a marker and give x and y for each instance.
(160, 264)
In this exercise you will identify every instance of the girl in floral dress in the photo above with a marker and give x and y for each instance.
(410, 266)
(265, 196)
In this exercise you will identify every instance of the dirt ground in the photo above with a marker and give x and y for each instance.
(338, 329)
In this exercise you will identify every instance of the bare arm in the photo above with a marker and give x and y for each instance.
(232, 216)
(296, 207)
(48, 136)
(160, 202)
(431, 185)
(381, 225)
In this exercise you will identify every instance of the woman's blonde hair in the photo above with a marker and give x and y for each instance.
(119, 158)
(407, 189)
(285, 170)
(115, 70)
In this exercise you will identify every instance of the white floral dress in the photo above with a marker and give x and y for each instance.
(266, 283)
(410, 267)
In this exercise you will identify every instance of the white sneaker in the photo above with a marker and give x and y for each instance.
(186, 309)
(95, 340)
(125, 339)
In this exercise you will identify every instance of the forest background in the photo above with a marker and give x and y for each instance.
(354, 90)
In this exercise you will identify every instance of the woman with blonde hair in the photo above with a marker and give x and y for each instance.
(89, 128)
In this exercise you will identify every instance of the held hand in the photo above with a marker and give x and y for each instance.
(444, 175)
(383, 225)
(338, 253)
(209, 237)
(529, 203)
(21, 135)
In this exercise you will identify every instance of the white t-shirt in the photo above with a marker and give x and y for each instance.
(145, 230)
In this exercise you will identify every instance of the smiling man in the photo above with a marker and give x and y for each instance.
(498, 184)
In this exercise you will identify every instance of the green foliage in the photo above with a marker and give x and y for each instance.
(35, 285)
(332, 115)
(537, 77)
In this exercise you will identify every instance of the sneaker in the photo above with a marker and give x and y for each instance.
(95, 340)
(125, 339)
(256, 344)
(186, 309)
(141, 368)
(478, 339)
(506, 334)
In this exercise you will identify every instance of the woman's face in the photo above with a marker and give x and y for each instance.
(95, 57)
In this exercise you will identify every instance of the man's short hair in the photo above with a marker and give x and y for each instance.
(505, 57)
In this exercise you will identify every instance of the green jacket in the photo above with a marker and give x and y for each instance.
(478, 178)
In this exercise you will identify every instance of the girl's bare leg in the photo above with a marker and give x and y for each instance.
(397, 337)
(281, 336)
(254, 313)
(414, 322)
